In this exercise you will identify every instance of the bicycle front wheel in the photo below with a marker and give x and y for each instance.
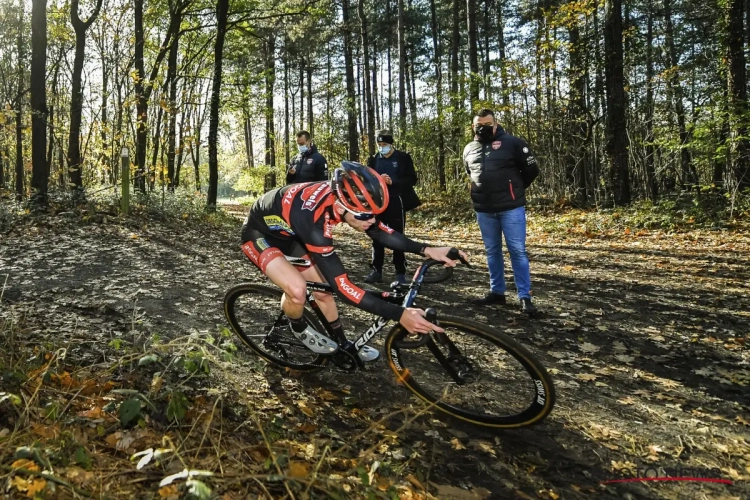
(254, 312)
(474, 373)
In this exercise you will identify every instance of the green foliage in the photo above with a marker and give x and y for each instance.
(178, 406)
(130, 411)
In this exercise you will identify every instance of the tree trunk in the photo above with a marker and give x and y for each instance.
(502, 58)
(368, 91)
(471, 16)
(310, 124)
(144, 87)
(401, 68)
(599, 84)
(617, 141)
(375, 93)
(351, 104)
(155, 144)
(737, 89)
(141, 105)
(287, 139)
(173, 106)
(438, 56)
(222, 13)
(270, 81)
(652, 186)
(19, 102)
(75, 161)
(576, 167)
(181, 148)
(302, 93)
(390, 69)
(688, 177)
(454, 93)
(486, 82)
(40, 173)
(249, 143)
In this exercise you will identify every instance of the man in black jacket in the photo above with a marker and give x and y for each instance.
(308, 165)
(397, 168)
(501, 168)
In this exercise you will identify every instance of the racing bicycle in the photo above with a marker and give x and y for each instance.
(471, 372)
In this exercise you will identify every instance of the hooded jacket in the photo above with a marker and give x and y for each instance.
(500, 170)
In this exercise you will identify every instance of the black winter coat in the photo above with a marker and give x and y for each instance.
(309, 166)
(400, 167)
(500, 170)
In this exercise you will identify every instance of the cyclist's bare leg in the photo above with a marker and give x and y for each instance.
(325, 300)
(290, 280)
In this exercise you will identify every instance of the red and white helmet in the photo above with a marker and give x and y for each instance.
(360, 189)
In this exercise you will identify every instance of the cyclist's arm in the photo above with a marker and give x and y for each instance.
(333, 271)
(393, 239)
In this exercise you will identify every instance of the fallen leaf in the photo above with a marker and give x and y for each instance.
(483, 446)
(415, 482)
(169, 492)
(307, 428)
(624, 358)
(25, 463)
(742, 421)
(457, 444)
(95, 412)
(448, 492)
(589, 348)
(586, 377)
(298, 469)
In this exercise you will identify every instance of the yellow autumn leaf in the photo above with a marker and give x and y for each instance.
(24, 463)
(35, 486)
(298, 469)
(457, 444)
(169, 491)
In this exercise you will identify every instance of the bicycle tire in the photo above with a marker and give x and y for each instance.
(230, 301)
(434, 275)
(542, 399)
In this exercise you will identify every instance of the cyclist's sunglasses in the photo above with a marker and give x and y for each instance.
(361, 217)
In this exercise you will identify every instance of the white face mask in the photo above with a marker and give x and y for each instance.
(302, 148)
(384, 150)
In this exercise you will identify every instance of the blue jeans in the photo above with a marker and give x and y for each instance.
(512, 225)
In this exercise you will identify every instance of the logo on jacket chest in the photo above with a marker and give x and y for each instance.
(496, 144)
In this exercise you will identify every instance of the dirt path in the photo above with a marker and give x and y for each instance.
(646, 338)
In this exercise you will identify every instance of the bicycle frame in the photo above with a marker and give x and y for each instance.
(397, 296)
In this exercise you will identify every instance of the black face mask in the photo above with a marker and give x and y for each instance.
(484, 132)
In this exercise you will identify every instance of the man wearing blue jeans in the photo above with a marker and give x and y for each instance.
(501, 168)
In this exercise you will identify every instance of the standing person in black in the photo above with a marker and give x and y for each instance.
(308, 165)
(397, 168)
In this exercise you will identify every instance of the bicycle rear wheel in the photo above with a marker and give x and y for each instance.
(437, 274)
(474, 373)
(255, 315)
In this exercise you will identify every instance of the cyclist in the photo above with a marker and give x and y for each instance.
(297, 221)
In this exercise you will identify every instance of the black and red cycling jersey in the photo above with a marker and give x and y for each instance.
(297, 220)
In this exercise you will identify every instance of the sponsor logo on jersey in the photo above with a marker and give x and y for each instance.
(309, 161)
(289, 195)
(349, 289)
(496, 144)
(312, 197)
(385, 228)
(530, 160)
(261, 243)
(249, 250)
(276, 223)
(328, 227)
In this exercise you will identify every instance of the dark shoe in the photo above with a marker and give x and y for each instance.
(401, 279)
(527, 307)
(374, 277)
(491, 299)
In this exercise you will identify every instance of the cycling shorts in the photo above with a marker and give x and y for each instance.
(262, 249)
